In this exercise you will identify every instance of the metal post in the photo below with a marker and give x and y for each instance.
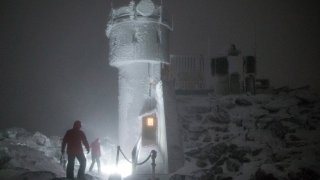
(153, 164)
(134, 158)
(117, 159)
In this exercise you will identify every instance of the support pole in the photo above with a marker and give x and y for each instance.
(117, 159)
(153, 164)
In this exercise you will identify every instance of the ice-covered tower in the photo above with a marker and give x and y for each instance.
(139, 47)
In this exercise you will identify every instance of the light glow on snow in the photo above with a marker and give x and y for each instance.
(124, 169)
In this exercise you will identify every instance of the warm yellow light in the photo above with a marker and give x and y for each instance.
(150, 121)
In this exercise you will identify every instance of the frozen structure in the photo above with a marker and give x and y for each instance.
(233, 74)
(139, 47)
(228, 74)
(188, 72)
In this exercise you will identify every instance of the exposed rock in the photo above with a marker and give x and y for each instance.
(224, 178)
(217, 170)
(303, 174)
(178, 177)
(217, 120)
(198, 109)
(305, 96)
(240, 155)
(201, 163)
(207, 138)
(281, 103)
(36, 175)
(193, 152)
(243, 102)
(220, 128)
(293, 138)
(221, 161)
(238, 122)
(261, 175)
(256, 152)
(232, 165)
(278, 129)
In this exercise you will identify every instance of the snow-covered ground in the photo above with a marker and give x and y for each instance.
(234, 137)
(245, 137)
(31, 156)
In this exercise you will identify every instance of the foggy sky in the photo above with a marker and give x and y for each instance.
(54, 67)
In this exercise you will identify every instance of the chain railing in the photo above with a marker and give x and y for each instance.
(134, 161)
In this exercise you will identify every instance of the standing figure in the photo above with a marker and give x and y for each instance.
(73, 139)
(95, 154)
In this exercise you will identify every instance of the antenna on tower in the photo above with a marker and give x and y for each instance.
(255, 38)
(209, 47)
(111, 4)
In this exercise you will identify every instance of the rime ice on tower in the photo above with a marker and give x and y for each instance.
(139, 47)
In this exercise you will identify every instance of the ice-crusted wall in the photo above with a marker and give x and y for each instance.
(139, 46)
(135, 88)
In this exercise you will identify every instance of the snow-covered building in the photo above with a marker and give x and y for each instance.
(188, 72)
(139, 47)
(229, 74)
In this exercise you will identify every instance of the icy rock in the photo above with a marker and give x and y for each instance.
(281, 103)
(4, 156)
(41, 139)
(36, 175)
(16, 132)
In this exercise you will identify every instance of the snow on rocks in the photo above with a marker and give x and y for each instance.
(24, 155)
(252, 137)
(31, 156)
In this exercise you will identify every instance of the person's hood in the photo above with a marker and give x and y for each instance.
(77, 125)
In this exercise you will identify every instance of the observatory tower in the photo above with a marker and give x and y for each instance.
(139, 47)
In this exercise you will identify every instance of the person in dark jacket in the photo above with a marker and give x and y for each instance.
(73, 139)
(95, 154)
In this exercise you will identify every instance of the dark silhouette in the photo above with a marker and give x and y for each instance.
(95, 154)
(74, 138)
